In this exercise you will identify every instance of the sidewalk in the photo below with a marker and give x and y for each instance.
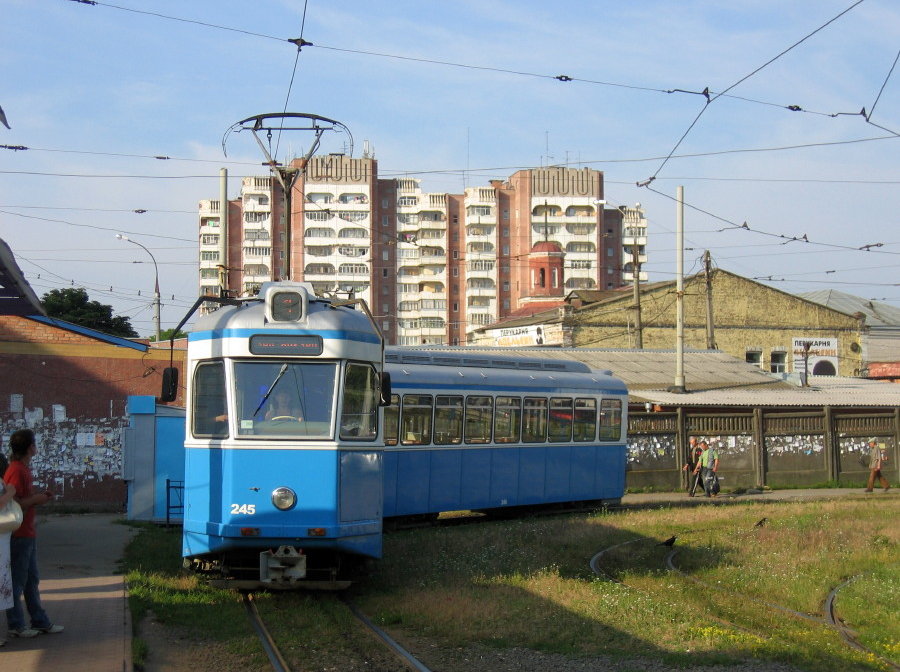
(80, 589)
(681, 498)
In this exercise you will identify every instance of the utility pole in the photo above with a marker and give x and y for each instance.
(710, 334)
(223, 231)
(122, 236)
(678, 387)
(636, 274)
(806, 346)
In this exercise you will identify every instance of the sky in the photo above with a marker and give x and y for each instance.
(458, 93)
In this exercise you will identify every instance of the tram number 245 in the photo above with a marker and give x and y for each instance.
(245, 509)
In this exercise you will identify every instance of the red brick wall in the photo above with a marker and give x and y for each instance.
(80, 454)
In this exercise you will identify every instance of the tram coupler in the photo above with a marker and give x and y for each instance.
(284, 565)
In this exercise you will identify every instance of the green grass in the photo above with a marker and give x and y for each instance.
(527, 583)
(158, 586)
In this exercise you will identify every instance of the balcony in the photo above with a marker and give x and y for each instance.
(354, 200)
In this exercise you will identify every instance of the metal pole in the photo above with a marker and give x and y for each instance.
(636, 272)
(223, 231)
(679, 291)
(121, 236)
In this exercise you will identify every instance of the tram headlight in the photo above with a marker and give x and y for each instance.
(284, 499)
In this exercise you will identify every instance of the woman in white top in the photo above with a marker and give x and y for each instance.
(7, 492)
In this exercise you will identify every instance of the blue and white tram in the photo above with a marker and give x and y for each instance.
(283, 473)
(477, 432)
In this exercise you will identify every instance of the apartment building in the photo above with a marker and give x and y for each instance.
(432, 267)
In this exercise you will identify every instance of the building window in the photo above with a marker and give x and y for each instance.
(209, 256)
(455, 307)
(778, 362)
(753, 357)
(209, 239)
(384, 272)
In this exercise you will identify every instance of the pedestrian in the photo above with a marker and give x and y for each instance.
(707, 466)
(7, 492)
(23, 546)
(877, 458)
(693, 457)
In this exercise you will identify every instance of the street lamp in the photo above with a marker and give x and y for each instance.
(121, 236)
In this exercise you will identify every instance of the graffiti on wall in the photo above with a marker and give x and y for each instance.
(795, 452)
(854, 451)
(79, 460)
(651, 452)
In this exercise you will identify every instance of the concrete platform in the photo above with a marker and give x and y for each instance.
(78, 558)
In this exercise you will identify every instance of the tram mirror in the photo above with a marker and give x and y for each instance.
(385, 388)
(169, 384)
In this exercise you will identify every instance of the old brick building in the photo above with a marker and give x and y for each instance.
(69, 384)
(727, 312)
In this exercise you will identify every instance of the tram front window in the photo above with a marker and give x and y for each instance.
(287, 399)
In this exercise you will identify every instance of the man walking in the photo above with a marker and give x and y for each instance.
(23, 546)
(877, 458)
(708, 465)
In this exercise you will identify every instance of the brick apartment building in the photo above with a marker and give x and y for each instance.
(433, 267)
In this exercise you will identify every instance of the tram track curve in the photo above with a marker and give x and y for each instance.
(830, 619)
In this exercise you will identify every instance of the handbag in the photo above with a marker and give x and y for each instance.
(10, 517)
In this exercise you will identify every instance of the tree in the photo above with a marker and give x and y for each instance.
(166, 335)
(73, 305)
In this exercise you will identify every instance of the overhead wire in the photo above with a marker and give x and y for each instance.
(712, 97)
(298, 42)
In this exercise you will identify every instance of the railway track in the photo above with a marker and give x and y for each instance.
(831, 618)
(280, 664)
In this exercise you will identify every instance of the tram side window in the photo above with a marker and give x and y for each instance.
(359, 418)
(585, 419)
(610, 419)
(416, 420)
(479, 410)
(448, 420)
(534, 420)
(392, 421)
(507, 420)
(210, 417)
(560, 428)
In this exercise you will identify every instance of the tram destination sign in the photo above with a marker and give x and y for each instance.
(302, 345)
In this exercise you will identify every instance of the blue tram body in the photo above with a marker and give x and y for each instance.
(282, 459)
(291, 466)
(577, 454)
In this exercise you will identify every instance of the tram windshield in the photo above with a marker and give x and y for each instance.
(285, 398)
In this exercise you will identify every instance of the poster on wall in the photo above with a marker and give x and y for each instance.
(822, 359)
(520, 336)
